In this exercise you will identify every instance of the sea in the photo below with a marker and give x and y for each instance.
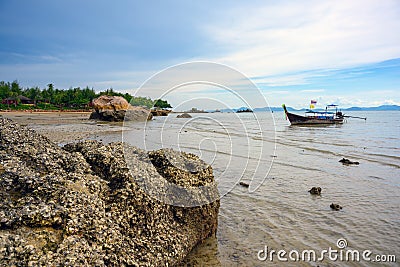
(275, 221)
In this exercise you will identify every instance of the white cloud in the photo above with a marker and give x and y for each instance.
(312, 90)
(294, 36)
(390, 102)
(286, 80)
(344, 100)
(276, 92)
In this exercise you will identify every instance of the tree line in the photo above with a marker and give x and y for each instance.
(69, 98)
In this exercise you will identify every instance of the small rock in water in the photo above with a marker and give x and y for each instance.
(335, 206)
(315, 191)
(348, 162)
(184, 115)
(244, 184)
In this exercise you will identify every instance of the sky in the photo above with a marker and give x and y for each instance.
(342, 52)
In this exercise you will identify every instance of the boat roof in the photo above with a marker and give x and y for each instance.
(324, 112)
(332, 105)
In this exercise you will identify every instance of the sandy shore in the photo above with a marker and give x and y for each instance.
(65, 127)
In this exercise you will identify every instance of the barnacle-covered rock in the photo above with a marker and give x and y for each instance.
(84, 205)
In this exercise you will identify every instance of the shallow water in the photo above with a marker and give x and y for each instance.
(280, 213)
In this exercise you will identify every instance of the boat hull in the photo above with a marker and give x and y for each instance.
(303, 120)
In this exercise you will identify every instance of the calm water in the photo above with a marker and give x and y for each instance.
(280, 213)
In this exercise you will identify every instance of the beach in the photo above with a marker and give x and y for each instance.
(281, 213)
(65, 127)
(286, 162)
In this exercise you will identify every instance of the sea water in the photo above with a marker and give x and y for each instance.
(281, 163)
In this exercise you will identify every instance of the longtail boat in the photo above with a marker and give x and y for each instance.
(316, 117)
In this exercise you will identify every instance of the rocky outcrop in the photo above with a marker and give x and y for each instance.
(160, 112)
(106, 102)
(81, 205)
(184, 115)
(116, 108)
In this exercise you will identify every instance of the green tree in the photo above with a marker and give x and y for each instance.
(33, 93)
(72, 97)
(50, 92)
(141, 101)
(159, 103)
(5, 89)
(15, 88)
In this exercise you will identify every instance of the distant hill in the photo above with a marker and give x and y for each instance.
(273, 109)
(379, 108)
(227, 110)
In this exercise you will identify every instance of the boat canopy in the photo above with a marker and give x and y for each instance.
(324, 112)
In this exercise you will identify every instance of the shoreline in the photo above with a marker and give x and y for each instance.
(45, 110)
(65, 127)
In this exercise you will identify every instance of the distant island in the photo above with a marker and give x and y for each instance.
(379, 108)
(195, 110)
(243, 110)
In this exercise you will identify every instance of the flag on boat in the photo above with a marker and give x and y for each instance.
(312, 105)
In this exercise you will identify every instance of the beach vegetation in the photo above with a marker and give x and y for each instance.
(13, 96)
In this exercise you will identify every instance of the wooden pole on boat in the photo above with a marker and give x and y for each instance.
(354, 117)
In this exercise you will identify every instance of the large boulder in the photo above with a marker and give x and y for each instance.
(116, 108)
(136, 113)
(110, 103)
(81, 206)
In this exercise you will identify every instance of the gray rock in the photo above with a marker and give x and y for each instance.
(81, 205)
(244, 184)
(184, 115)
(345, 161)
(315, 191)
(335, 206)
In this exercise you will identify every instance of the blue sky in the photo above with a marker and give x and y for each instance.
(343, 52)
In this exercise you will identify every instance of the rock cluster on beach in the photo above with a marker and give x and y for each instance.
(160, 112)
(81, 205)
(116, 108)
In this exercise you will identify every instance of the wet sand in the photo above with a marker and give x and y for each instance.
(65, 127)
